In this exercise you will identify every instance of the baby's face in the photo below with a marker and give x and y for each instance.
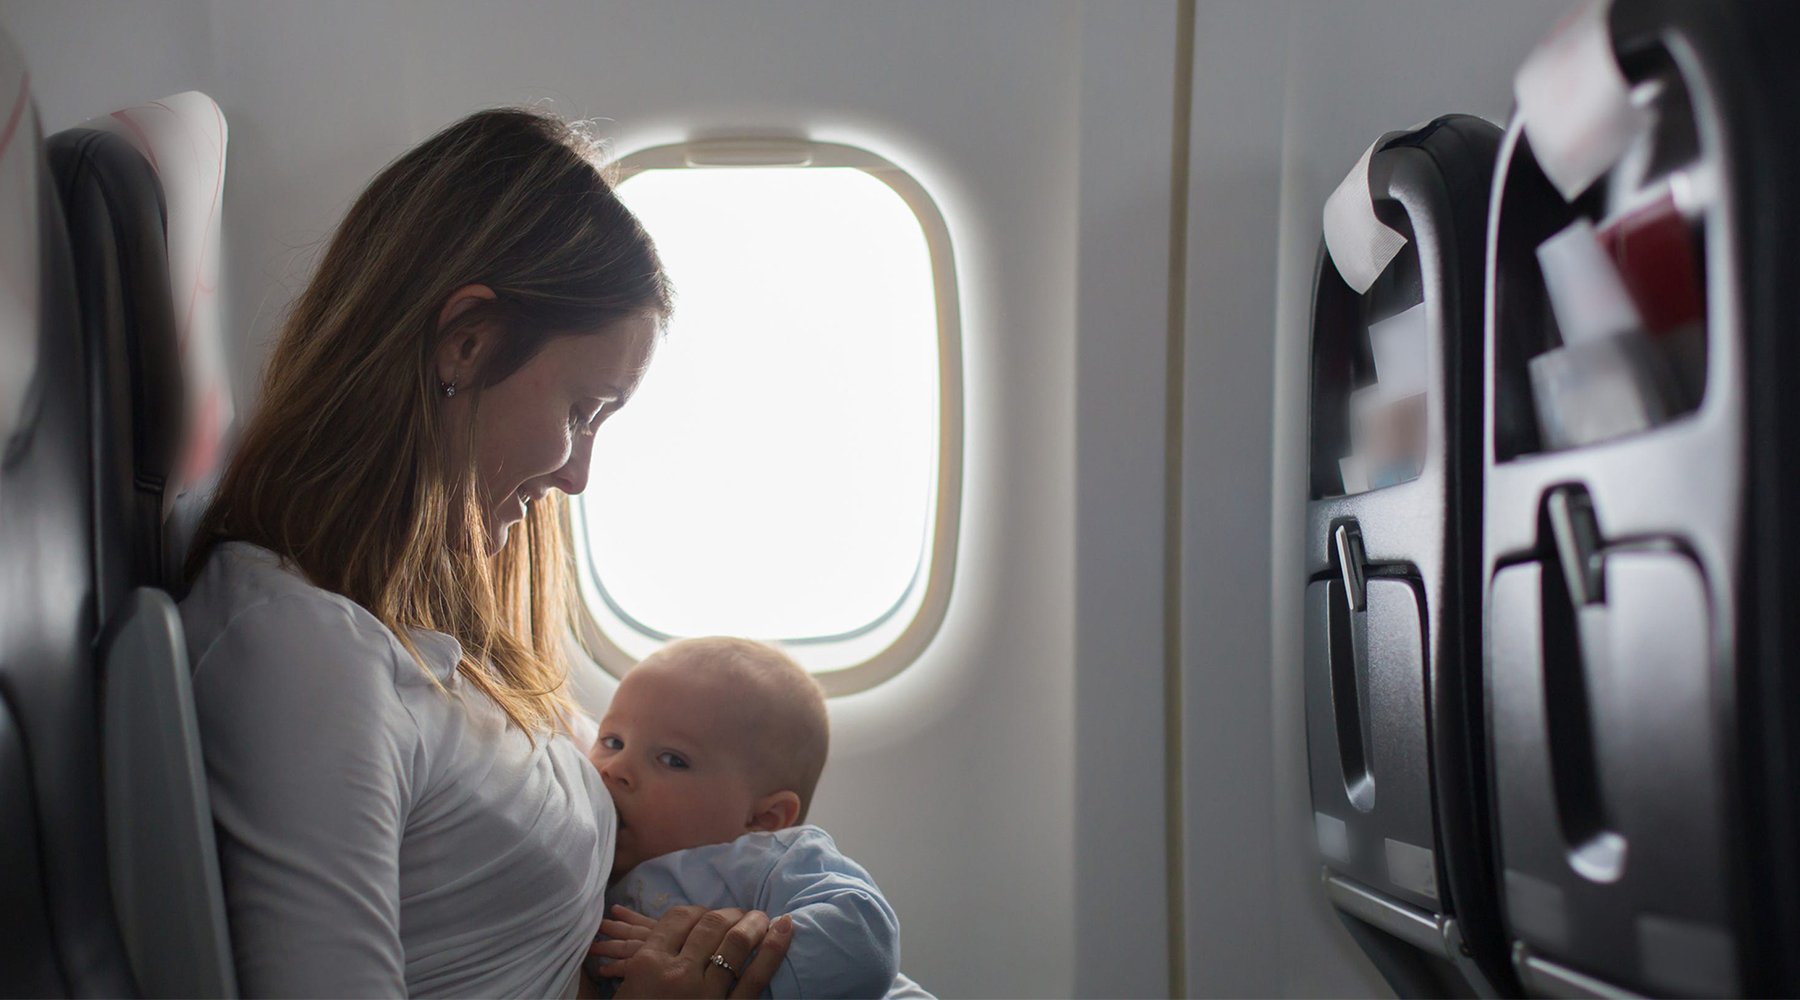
(671, 753)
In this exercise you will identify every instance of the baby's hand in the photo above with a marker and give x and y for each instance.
(619, 939)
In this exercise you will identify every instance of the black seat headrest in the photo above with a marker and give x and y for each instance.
(117, 224)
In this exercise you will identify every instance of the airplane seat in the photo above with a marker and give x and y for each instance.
(57, 935)
(184, 137)
(163, 400)
(140, 238)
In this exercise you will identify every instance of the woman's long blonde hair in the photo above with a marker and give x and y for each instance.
(346, 468)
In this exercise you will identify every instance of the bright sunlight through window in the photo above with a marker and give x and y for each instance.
(781, 472)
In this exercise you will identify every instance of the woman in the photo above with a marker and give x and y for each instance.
(379, 594)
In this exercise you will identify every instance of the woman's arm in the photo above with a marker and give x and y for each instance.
(310, 759)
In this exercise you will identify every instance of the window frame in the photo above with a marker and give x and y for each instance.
(937, 567)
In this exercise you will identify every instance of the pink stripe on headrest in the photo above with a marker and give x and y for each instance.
(18, 113)
(143, 140)
(204, 440)
(28, 296)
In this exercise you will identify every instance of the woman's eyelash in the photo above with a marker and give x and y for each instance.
(579, 421)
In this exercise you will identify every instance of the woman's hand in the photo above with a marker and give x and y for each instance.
(672, 957)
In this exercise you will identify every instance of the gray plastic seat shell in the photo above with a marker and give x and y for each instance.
(160, 848)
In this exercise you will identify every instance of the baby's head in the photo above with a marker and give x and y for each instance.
(706, 740)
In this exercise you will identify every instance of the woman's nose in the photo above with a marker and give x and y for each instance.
(572, 477)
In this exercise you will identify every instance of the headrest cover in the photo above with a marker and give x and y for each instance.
(20, 238)
(183, 138)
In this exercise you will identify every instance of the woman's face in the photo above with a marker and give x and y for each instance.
(534, 430)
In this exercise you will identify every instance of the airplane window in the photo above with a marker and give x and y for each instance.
(789, 467)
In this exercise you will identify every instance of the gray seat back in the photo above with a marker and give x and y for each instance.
(57, 935)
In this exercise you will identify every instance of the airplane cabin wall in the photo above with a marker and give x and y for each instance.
(1008, 790)
(1130, 76)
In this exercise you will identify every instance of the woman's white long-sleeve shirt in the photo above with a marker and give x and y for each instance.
(378, 835)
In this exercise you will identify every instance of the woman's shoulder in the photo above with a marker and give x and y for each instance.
(259, 601)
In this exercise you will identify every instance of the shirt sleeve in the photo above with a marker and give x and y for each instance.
(310, 760)
(846, 936)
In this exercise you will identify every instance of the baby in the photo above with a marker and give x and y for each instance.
(711, 749)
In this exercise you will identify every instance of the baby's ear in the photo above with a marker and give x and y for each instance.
(775, 811)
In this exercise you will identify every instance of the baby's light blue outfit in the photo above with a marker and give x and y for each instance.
(846, 936)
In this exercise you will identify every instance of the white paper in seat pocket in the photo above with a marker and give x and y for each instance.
(1360, 244)
(1398, 345)
(1575, 101)
(1587, 294)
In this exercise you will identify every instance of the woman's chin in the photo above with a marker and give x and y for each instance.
(500, 525)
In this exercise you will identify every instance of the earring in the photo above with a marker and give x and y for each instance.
(448, 387)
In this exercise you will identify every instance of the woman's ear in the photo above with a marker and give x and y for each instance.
(775, 811)
(458, 356)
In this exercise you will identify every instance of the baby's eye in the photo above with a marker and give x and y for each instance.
(673, 760)
(612, 743)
